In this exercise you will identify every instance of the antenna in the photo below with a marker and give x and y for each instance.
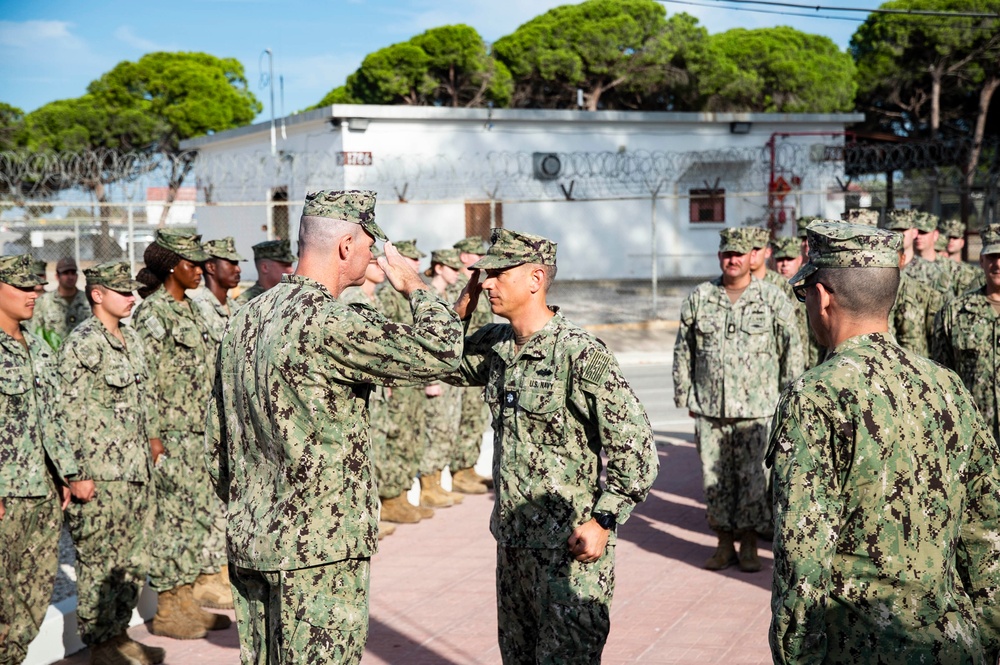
(268, 81)
(281, 88)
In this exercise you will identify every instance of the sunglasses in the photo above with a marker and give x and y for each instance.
(67, 272)
(801, 289)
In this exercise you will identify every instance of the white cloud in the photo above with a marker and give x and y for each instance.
(38, 35)
(126, 35)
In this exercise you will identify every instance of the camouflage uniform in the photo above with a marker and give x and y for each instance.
(215, 314)
(911, 318)
(54, 314)
(291, 453)
(731, 360)
(30, 452)
(936, 274)
(275, 250)
(102, 416)
(887, 500)
(557, 404)
(967, 340)
(178, 349)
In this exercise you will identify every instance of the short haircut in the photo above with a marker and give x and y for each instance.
(323, 233)
(89, 289)
(550, 274)
(862, 292)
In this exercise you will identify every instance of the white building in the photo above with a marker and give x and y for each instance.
(607, 186)
(181, 211)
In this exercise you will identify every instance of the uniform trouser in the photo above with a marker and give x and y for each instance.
(732, 467)
(440, 429)
(309, 616)
(187, 537)
(552, 609)
(111, 535)
(404, 444)
(474, 420)
(29, 557)
(378, 417)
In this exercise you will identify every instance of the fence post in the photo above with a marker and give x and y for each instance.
(131, 238)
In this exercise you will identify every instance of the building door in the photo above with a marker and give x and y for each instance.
(481, 216)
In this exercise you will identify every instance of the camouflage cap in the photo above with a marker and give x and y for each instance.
(843, 245)
(184, 244)
(786, 247)
(924, 222)
(864, 216)
(759, 236)
(472, 245)
(17, 271)
(990, 235)
(802, 223)
(66, 263)
(897, 220)
(512, 248)
(115, 275)
(941, 244)
(352, 205)
(408, 248)
(39, 267)
(223, 248)
(735, 239)
(274, 250)
(447, 257)
(951, 228)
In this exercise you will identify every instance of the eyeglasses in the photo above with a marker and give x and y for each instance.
(801, 289)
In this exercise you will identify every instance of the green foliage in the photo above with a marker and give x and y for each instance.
(774, 70)
(448, 66)
(597, 46)
(11, 124)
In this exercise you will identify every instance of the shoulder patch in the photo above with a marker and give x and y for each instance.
(155, 327)
(596, 367)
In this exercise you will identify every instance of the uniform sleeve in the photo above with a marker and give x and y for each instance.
(475, 370)
(791, 358)
(978, 556)
(684, 356)
(152, 333)
(216, 457)
(76, 367)
(807, 507)
(942, 351)
(622, 427)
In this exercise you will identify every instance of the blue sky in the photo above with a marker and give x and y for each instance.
(51, 49)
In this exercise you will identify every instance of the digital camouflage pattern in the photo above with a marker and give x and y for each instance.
(911, 318)
(845, 245)
(408, 248)
(115, 275)
(222, 248)
(551, 608)
(512, 248)
(274, 250)
(472, 245)
(290, 450)
(182, 243)
(111, 534)
(935, 274)
(735, 239)
(323, 613)
(17, 270)
(732, 360)
(475, 414)
(29, 446)
(249, 294)
(440, 432)
(215, 314)
(731, 451)
(862, 216)
(887, 514)
(556, 404)
(967, 340)
(356, 206)
(55, 315)
(786, 247)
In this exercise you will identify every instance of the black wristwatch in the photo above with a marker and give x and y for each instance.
(607, 521)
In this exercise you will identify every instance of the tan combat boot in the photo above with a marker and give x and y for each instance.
(399, 510)
(172, 621)
(108, 653)
(146, 655)
(431, 494)
(725, 552)
(424, 512)
(749, 561)
(209, 620)
(455, 497)
(385, 529)
(467, 481)
(213, 590)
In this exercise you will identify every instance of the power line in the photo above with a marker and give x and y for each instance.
(912, 12)
(765, 11)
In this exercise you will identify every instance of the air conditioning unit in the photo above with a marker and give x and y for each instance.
(546, 165)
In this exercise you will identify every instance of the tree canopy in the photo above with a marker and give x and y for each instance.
(773, 70)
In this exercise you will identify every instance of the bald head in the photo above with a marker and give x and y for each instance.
(321, 234)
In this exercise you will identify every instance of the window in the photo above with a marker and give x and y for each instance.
(479, 220)
(279, 213)
(708, 206)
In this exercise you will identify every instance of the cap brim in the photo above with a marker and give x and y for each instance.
(494, 263)
(735, 247)
(26, 281)
(802, 274)
(990, 249)
(374, 230)
(195, 256)
(125, 287)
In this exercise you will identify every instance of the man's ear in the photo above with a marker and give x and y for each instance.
(825, 298)
(344, 247)
(537, 282)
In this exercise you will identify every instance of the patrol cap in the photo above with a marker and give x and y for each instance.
(446, 257)
(38, 267)
(897, 220)
(275, 250)
(472, 245)
(17, 271)
(734, 239)
(941, 244)
(786, 247)
(866, 216)
(924, 221)
(512, 248)
(408, 248)
(352, 205)
(802, 223)
(951, 228)
(223, 248)
(65, 263)
(843, 245)
(759, 237)
(115, 275)
(990, 235)
(184, 244)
